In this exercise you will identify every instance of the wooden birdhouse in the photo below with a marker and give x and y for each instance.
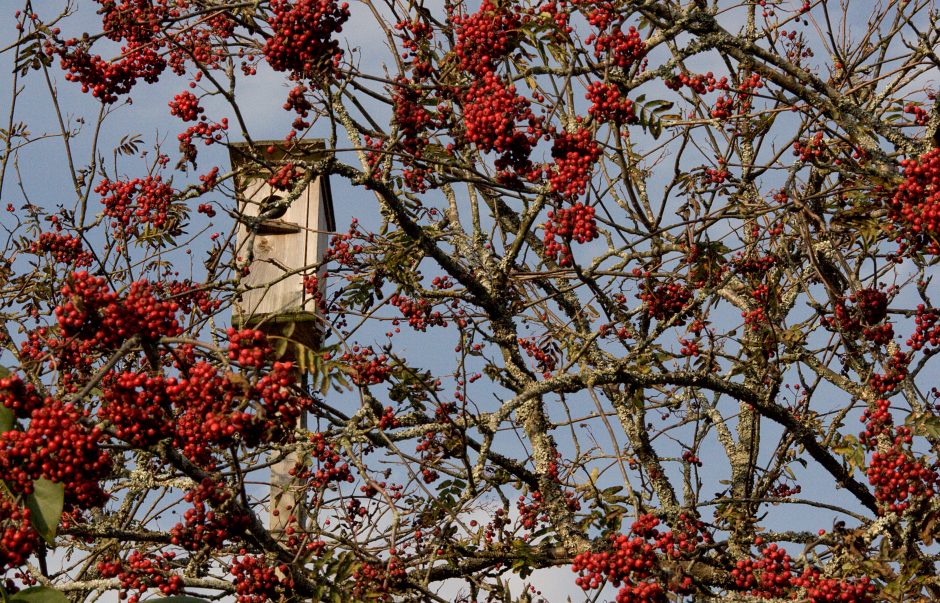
(284, 238)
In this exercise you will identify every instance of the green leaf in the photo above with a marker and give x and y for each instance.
(39, 594)
(6, 419)
(45, 507)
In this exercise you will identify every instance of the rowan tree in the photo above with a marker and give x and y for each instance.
(636, 288)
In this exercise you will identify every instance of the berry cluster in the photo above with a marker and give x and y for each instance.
(493, 114)
(865, 317)
(185, 105)
(545, 355)
(700, 84)
(365, 367)
(59, 446)
(416, 36)
(330, 465)
(106, 80)
(608, 104)
(257, 582)
(926, 329)
(413, 121)
(419, 312)
(209, 527)
(378, 580)
(91, 312)
(773, 575)
(620, 48)
(665, 301)
(209, 132)
(896, 474)
(576, 223)
(248, 348)
(18, 538)
(575, 155)
(64, 248)
(301, 35)
(813, 149)
(914, 209)
(921, 115)
(142, 572)
(137, 406)
(896, 371)
(485, 37)
(285, 177)
(137, 201)
(631, 563)
(19, 396)
(190, 296)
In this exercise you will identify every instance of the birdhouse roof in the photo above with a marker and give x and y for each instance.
(257, 159)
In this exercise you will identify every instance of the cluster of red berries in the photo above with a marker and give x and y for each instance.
(814, 149)
(630, 563)
(185, 105)
(665, 301)
(64, 248)
(921, 115)
(896, 474)
(137, 201)
(746, 91)
(897, 368)
(773, 575)
(530, 513)
(19, 396)
(204, 130)
(59, 446)
(189, 296)
(419, 312)
(330, 465)
(388, 420)
(213, 518)
(926, 329)
(203, 41)
(285, 177)
(576, 223)
(415, 37)
(18, 538)
(298, 103)
(485, 37)
(92, 312)
(493, 113)
(413, 121)
(865, 317)
(248, 348)
(609, 104)
(106, 80)
(411, 117)
(365, 367)
(378, 580)
(717, 175)
(575, 155)
(914, 208)
(302, 30)
(137, 406)
(142, 572)
(341, 250)
(256, 581)
(700, 84)
(620, 48)
(546, 358)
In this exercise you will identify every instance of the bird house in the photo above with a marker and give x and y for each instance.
(284, 236)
